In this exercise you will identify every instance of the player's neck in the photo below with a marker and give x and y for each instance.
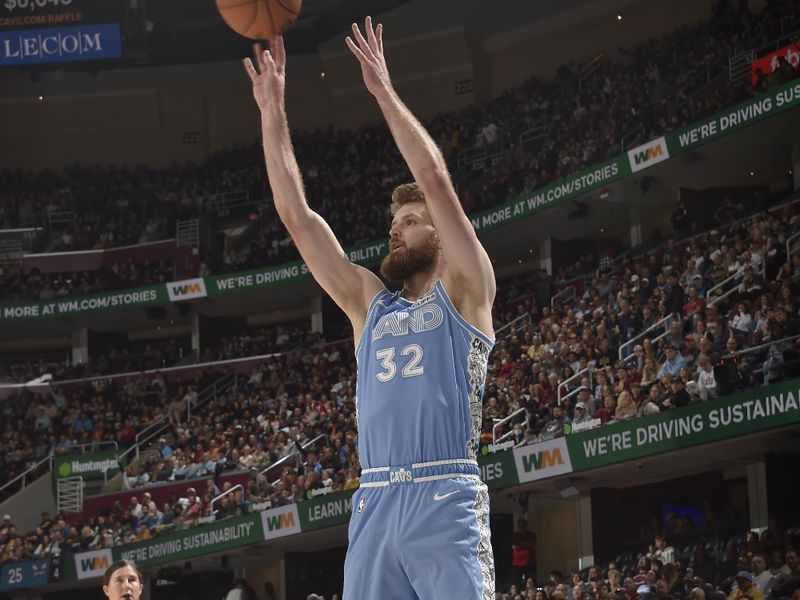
(419, 284)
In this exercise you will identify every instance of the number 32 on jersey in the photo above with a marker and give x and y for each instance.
(410, 357)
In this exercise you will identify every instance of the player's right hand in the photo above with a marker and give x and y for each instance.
(269, 78)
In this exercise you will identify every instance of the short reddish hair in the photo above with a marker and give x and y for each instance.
(406, 194)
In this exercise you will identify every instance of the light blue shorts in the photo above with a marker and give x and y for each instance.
(417, 532)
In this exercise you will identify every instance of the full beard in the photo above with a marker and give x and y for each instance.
(400, 266)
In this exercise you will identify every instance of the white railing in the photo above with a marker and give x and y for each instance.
(526, 317)
(69, 495)
(712, 299)
(222, 495)
(89, 447)
(666, 322)
(565, 384)
(760, 346)
(295, 454)
(500, 422)
(159, 426)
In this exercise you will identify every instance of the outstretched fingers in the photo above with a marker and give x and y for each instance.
(251, 70)
(362, 43)
(258, 52)
(355, 49)
(371, 37)
(278, 52)
(379, 35)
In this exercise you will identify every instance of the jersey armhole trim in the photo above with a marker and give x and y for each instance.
(460, 319)
(372, 304)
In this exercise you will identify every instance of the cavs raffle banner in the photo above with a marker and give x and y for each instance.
(196, 541)
(748, 412)
(30, 573)
(44, 31)
(92, 465)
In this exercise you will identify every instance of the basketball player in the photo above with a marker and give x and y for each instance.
(420, 525)
(123, 581)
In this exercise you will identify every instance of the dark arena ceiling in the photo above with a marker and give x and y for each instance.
(185, 31)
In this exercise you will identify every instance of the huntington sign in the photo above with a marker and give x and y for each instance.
(92, 465)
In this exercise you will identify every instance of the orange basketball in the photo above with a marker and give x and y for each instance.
(259, 19)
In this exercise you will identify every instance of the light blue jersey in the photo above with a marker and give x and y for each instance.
(421, 373)
(420, 521)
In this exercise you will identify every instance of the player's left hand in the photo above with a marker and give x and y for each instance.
(369, 53)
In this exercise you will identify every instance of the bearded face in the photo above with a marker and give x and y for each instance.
(403, 263)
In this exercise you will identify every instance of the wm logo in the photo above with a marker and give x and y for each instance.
(94, 563)
(648, 154)
(280, 521)
(542, 460)
(188, 288)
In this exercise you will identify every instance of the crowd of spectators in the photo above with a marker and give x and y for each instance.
(120, 358)
(299, 406)
(87, 416)
(17, 285)
(307, 394)
(638, 94)
(261, 341)
(744, 566)
(713, 345)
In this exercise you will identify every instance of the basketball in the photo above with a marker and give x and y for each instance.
(259, 19)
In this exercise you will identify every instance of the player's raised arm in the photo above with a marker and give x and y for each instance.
(350, 286)
(468, 272)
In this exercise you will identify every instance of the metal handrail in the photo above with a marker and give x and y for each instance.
(525, 317)
(95, 446)
(294, 453)
(590, 68)
(158, 426)
(225, 493)
(568, 293)
(499, 423)
(760, 346)
(577, 376)
(667, 321)
(738, 275)
(533, 134)
(23, 476)
(789, 246)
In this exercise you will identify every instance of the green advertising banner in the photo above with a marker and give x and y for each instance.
(748, 412)
(498, 469)
(326, 511)
(197, 541)
(91, 465)
(707, 130)
(564, 189)
(365, 254)
(71, 306)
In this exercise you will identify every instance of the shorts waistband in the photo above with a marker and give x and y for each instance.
(419, 472)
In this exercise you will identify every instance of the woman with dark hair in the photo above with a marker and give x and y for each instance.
(123, 579)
